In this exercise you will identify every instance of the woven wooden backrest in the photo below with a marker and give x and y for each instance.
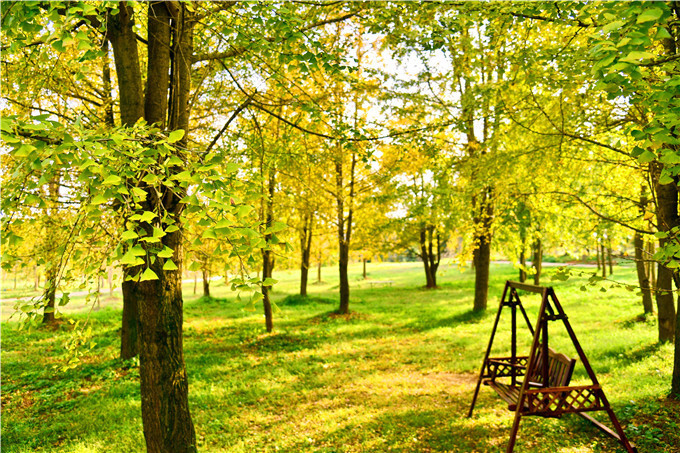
(560, 369)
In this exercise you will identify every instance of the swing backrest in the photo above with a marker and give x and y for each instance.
(560, 369)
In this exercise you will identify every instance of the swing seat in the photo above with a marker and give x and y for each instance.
(560, 369)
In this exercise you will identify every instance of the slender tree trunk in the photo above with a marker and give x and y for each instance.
(522, 265)
(267, 257)
(643, 278)
(52, 271)
(306, 251)
(603, 257)
(597, 249)
(195, 283)
(364, 271)
(537, 261)
(344, 230)
(610, 259)
(206, 282)
(110, 280)
(651, 250)
(36, 287)
(318, 269)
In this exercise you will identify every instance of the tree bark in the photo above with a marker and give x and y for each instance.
(166, 419)
(643, 278)
(667, 218)
(52, 270)
(267, 256)
(305, 251)
(344, 230)
(129, 337)
(537, 261)
(206, 282)
(481, 256)
(318, 269)
(610, 259)
(364, 268)
(604, 262)
(429, 255)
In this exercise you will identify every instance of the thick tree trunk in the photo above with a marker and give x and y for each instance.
(643, 278)
(667, 218)
(129, 346)
(166, 419)
(206, 282)
(482, 253)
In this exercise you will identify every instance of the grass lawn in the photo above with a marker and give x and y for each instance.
(396, 375)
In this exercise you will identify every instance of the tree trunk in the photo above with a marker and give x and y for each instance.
(597, 250)
(429, 255)
(50, 294)
(318, 269)
(344, 230)
(206, 282)
(522, 265)
(266, 301)
(110, 280)
(667, 218)
(610, 259)
(604, 262)
(52, 270)
(537, 261)
(651, 250)
(166, 419)
(36, 287)
(306, 251)
(343, 263)
(267, 256)
(364, 271)
(643, 278)
(129, 338)
(482, 259)
(482, 253)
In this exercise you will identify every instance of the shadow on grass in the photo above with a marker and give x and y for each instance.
(468, 317)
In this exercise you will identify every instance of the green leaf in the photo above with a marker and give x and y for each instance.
(172, 229)
(129, 259)
(194, 266)
(649, 15)
(170, 266)
(175, 136)
(646, 157)
(256, 297)
(99, 199)
(138, 251)
(112, 180)
(269, 281)
(24, 150)
(129, 235)
(148, 274)
(139, 193)
(167, 252)
(174, 161)
(147, 216)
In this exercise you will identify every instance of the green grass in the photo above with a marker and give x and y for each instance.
(395, 375)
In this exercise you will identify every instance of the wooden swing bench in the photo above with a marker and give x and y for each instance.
(560, 369)
(534, 386)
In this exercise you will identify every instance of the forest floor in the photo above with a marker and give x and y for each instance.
(397, 374)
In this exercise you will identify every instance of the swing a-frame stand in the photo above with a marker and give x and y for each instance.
(532, 385)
